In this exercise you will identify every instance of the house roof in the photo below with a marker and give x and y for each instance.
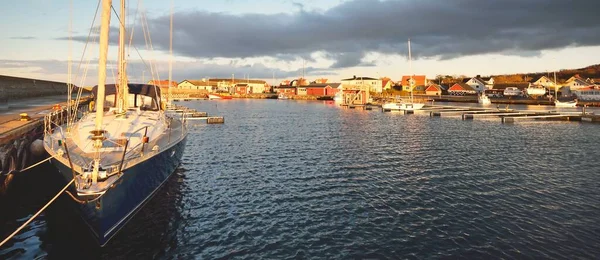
(359, 78)
(198, 82)
(253, 81)
(540, 78)
(519, 85)
(461, 86)
(322, 85)
(481, 80)
(385, 82)
(434, 87)
(419, 80)
(162, 83)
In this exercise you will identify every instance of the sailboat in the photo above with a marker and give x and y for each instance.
(558, 103)
(120, 153)
(405, 105)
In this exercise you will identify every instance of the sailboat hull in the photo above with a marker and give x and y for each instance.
(138, 184)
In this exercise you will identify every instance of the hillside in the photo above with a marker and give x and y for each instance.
(592, 71)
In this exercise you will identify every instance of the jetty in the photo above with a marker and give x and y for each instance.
(505, 115)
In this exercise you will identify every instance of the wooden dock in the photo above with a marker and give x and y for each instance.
(505, 115)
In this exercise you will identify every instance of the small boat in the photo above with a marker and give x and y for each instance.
(536, 90)
(484, 99)
(571, 103)
(212, 96)
(338, 98)
(410, 106)
(282, 96)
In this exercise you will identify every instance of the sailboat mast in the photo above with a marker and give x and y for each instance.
(555, 87)
(123, 90)
(170, 54)
(411, 83)
(104, 27)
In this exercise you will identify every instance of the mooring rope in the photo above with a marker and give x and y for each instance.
(36, 214)
(38, 163)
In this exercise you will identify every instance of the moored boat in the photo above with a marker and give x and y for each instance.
(570, 103)
(282, 96)
(484, 99)
(212, 96)
(120, 153)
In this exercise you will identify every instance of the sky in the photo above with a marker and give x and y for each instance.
(284, 39)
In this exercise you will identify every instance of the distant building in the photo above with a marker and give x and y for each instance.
(198, 85)
(163, 83)
(433, 90)
(375, 85)
(461, 89)
(477, 83)
(386, 84)
(322, 89)
(285, 89)
(420, 83)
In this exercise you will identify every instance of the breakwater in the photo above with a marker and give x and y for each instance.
(20, 88)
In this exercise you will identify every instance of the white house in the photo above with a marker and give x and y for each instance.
(227, 85)
(196, 84)
(477, 84)
(578, 84)
(544, 81)
(375, 85)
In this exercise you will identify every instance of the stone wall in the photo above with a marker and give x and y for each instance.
(19, 88)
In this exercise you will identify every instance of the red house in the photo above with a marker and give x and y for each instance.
(286, 89)
(322, 89)
(241, 89)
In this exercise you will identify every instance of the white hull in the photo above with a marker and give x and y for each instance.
(211, 97)
(484, 100)
(536, 91)
(402, 106)
(565, 103)
(338, 98)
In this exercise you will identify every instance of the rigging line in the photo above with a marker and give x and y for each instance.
(69, 64)
(136, 49)
(36, 214)
(88, 37)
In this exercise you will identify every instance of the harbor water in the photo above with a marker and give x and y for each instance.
(308, 179)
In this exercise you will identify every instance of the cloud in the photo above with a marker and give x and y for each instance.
(23, 38)
(57, 70)
(438, 29)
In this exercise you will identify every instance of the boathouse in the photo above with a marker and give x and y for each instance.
(286, 89)
(242, 89)
(322, 89)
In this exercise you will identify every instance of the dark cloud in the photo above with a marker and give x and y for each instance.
(23, 38)
(438, 28)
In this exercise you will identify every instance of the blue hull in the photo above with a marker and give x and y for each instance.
(138, 184)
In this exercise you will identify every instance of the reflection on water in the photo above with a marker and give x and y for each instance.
(304, 179)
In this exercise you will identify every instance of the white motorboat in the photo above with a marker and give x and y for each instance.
(484, 99)
(402, 106)
(571, 103)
